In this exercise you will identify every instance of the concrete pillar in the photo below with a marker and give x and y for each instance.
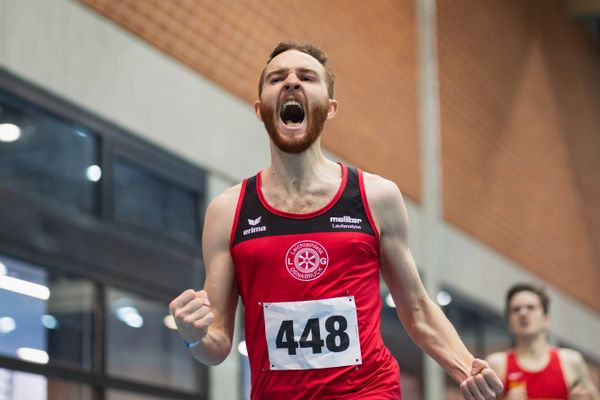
(431, 173)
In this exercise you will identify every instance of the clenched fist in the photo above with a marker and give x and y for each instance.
(483, 384)
(191, 311)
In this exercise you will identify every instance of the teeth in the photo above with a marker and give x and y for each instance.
(292, 102)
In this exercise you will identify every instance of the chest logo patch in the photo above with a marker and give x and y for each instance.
(306, 260)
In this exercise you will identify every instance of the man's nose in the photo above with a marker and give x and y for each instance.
(523, 311)
(292, 82)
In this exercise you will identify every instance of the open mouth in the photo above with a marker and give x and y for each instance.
(292, 113)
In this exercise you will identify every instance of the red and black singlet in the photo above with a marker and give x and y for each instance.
(310, 288)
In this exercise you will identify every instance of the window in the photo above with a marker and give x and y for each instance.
(483, 331)
(406, 352)
(165, 207)
(45, 317)
(142, 344)
(43, 155)
(15, 385)
(86, 208)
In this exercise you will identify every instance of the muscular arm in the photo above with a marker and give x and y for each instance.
(208, 316)
(422, 318)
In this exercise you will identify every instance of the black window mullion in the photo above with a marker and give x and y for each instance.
(106, 183)
(99, 337)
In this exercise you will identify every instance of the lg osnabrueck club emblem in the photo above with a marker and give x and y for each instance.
(306, 260)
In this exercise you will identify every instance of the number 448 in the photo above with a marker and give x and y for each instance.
(335, 325)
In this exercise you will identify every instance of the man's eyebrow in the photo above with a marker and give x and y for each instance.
(286, 71)
(280, 71)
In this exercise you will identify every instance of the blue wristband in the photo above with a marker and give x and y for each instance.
(191, 345)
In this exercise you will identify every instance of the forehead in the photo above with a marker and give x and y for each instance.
(525, 297)
(294, 59)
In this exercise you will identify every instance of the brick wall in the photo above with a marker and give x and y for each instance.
(520, 107)
(371, 46)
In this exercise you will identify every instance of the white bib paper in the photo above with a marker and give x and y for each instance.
(312, 334)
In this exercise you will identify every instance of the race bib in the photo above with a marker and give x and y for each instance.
(312, 334)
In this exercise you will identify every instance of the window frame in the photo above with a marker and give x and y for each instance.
(170, 264)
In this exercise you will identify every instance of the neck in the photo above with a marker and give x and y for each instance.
(534, 346)
(296, 171)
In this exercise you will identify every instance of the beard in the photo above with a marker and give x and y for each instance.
(316, 114)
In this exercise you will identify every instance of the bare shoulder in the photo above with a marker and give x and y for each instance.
(380, 189)
(221, 212)
(226, 202)
(386, 204)
(570, 357)
(576, 372)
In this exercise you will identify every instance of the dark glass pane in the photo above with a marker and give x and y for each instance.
(145, 199)
(402, 347)
(142, 347)
(45, 317)
(483, 331)
(44, 155)
(495, 335)
(16, 385)
(468, 324)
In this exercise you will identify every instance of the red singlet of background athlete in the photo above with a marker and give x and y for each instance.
(547, 384)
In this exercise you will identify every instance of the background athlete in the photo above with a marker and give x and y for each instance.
(534, 369)
(303, 243)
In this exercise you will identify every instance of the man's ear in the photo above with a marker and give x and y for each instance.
(333, 107)
(257, 110)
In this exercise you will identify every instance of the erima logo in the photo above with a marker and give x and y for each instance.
(253, 223)
(345, 219)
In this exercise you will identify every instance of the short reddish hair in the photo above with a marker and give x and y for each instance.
(309, 49)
